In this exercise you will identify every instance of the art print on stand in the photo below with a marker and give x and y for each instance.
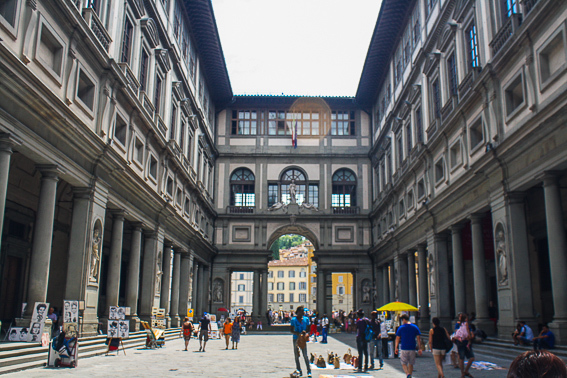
(37, 321)
(117, 313)
(18, 334)
(70, 311)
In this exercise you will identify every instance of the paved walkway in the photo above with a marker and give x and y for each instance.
(258, 355)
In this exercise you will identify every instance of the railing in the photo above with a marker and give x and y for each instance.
(352, 210)
(505, 32)
(241, 209)
(528, 5)
(97, 27)
(132, 81)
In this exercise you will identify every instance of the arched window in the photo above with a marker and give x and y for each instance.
(344, 189)
(305, 191)
(242, 188)
(298, 178)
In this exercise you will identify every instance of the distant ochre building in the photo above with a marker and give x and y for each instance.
(130, 174)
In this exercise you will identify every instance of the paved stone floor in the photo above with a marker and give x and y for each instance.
(258, 355)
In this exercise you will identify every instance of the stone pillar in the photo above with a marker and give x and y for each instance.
(557, 255)
(115, 260)
(423, 287)
(380, 287)
(165, 294)
(256, 295)
(263, 293)
(411, 279)
(133, 285)
(6, 143)
(402, 278)
(153, 244)
(206, 289)
(386, 284)
(42, 237)
(320, 291)
(458, 269)
(393, 282)
(195, 290)
(174, 311)
(184, 282)
(329, 291)
(479, 274)
(201, 290)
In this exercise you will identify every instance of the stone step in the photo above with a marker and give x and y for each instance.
(22, 357)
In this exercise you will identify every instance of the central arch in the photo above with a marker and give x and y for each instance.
(297, 229)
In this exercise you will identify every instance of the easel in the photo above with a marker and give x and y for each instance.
(120, 343)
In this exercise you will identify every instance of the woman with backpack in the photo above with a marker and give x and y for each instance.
(438, 342)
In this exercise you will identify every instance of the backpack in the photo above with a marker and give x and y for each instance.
(368, 333)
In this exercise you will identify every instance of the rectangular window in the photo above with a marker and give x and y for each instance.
(172, 127)
(8, 10)
(552, 57)
(439, 170)
(303, 285)
(240, 299)
(418, 125)
(420, 189)
(302, 298)
(455, 155)
(476, 136)
(144, 70)
(272, 194)
(514, 95)
(241, 287)
(409, 142)
(271, 274)
(120, 130)
(280, 298)
(291, 274)
(241, 276)
(280, 274)
(86, 90)
(271, 298)
(50, 50)
(452, 73)
(291, 297)
(244, 122)
(313, 195)
(472, 46)
(153, 167)
(270, 286)
(139, 150)
(342, 123)
(281, 286)
(126, 41)
(341, 279)
(340, 290)
(436, 98)
(302, 274)
(400, 147)
(157, 94)
(292, 286)
(509, 8)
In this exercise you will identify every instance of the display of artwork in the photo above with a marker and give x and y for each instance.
(70, 311)
(18, 334)
(37, 322)
(117, 313)
(118, 329)
(71, 330)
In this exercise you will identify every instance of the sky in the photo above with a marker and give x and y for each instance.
(295, 47)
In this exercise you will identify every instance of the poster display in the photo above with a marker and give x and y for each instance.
(117, 313)
(118, 327)
(70, 311)
(37, 322)
(18, 334)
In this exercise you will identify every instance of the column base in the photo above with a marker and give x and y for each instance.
(176, 321)
(559, 329)
(134, 323)
(424, 323)
(486, 325)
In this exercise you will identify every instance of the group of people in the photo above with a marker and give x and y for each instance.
(229, 329)
(524, 335)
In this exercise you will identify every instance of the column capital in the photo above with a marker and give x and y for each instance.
(117, 213)
(476, 218)
(49, 171)
(456, 228)
(137, 226)
(516, 197)
(83, 193)
(8, 141)
(550, 178)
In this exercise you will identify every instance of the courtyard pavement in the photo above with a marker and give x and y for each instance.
(258, 355)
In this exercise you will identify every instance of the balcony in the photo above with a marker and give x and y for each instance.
(132, 81)
(505, 32)
(97, 27)
(352, 210)
(241, 209)
(528, 5)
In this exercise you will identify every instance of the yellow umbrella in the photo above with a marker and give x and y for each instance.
(397, 306)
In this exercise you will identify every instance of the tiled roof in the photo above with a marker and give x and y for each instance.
(300, 261)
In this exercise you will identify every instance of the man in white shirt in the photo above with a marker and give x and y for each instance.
(325, 328)
(384, 337)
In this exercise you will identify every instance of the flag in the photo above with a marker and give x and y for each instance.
(293, 129)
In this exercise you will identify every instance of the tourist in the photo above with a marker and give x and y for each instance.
(361, 343)
(462, 338)
(324, 328)
(524, 335)
(313, 329)
(53, 316)
(298, 327)
(236, 333)
(405, 345)
(545, 340)
(376, 343)
(227, 330)
(385, 338)
(541, 364)
(205, 328)
(187, 331)
(437, 342)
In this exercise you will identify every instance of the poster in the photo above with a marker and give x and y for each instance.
(118, 329)
(117, 313)
(71, 330)
(70, 311)
(18, 334)
(37, 322)
(124, 329)
(113, 329)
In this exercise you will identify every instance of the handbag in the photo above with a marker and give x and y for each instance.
(336, 362)
(348, 356)
(302, 340)
(321, 362)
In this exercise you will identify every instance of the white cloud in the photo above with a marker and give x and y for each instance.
(295, 47)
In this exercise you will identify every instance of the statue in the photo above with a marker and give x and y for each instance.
(159, 273)
(309, 206)
(365, 291)
(431, 274)
(501, 255)
(396, 284)
(277, 206)
(217, 291)
(95, 253)
(292, 192)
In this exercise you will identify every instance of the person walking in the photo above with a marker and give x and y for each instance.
(375, 346)
(187, 330)
(227, 330)
(235, 333)
(324, 328)
(298, 327)
(313, 329)
(437, 341)
(385, 338)
(204, 329)
(463, 338)
(405, 345)
(361, 343)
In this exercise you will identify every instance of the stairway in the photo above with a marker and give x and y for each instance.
(506, 349)
(15, 356)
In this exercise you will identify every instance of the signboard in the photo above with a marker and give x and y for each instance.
(190, 313)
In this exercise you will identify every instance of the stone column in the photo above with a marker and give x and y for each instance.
(42, 237)
(380, 287)
(195, 290)
(174, 311)
(115, 260)
(393, 281)
(201, 290)
(153, 244)
(479, 274)
(423, 287)
(329, 291)
(6, 143)
(184, 282)
(411, 279)
(458, 269)
(320, 291)
(256, 295)
(165, 294)
(557, 254)
(386, 284)
(402, 278)
(133, 285)
(263, 293)
(206, 288)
